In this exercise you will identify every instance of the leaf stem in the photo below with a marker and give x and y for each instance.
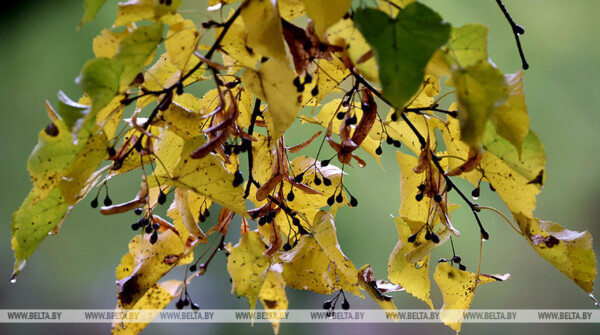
(503, 216)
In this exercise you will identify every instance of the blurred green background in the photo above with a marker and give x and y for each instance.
(42, 53)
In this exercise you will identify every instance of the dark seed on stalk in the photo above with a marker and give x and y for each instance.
(345, 304)
(162, 198)
(315, 91)
(456, 259)
(378, 151)
(341, 115)
(317, 181)
(353, 201)
(154, 237)
(397, 144)
(331, 200)
(462, 267)
(419, 196)
(326, 181)
(298, 178)
(206, 212)
(435, 238)
(442, 260)
(149, 229)
(437, 198)
(290, 196)
(238, 179)
(325, 162)
(195, 306)
(412, 238)
(475, 193)
(193, 268)
(107, 201)
(428, 236)
(94, 203)
(339, 198)
(287, 247)
(138, 211)
(135, 226)
(179, 304)
(389, 140)
(327, 304)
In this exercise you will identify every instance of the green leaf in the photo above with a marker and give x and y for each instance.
(32, 222)
(530, 163)
(91, 9)
(135, 49)
(569, 251)
(480, 88)
(59, 167)
(71, 112)
(247, 265)
(402, 47)
(99, 79)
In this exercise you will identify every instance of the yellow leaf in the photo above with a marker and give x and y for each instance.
(571, 252)
(263, 27)
(480, 88)
(344, 34)
(207, 176)
(317, 263)
(234, 44)
(367, 282)
(389, 6)
(272, 295)
(409, 182)
(458, 289)
(309, 204)
(185, 123)
(181, 42)
(273, 83)
(107, 43)
(290, 9)
(400, 130)
(325, 13)
(516, 191)
(155, 299)
(150, 263)
(413, 276)
(510, 119)
(467, 45)
(137, 10)
(247, 265)
(163, 73)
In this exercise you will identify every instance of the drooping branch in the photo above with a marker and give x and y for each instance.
(450, 184)
(517, 31)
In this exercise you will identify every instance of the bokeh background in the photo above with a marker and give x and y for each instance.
(41, 52)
